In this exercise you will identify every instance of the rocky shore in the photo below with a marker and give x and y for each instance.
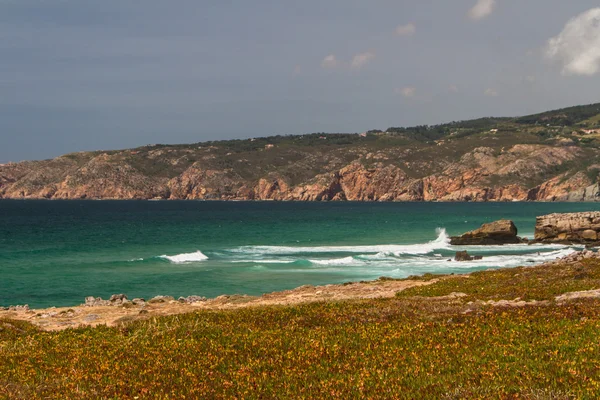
(568, 228)
(119, 309)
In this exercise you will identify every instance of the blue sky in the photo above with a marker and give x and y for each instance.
(96, 75)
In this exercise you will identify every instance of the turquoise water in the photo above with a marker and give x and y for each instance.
(58, 252)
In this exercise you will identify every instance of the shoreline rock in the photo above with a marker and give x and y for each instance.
(568, 228)
(493, 233)
(465, 256)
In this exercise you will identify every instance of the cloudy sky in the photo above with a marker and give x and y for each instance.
(89, 75)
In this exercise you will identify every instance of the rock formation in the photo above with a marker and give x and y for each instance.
(493, 233)
(465, 256)
(582, 227)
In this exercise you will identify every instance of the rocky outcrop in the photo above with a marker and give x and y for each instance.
(494, 233)
(582, 227)
(465, 256)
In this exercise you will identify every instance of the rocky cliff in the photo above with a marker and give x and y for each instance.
(482, 160)
(583, 227)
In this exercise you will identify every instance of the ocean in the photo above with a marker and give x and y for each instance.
(55, 253)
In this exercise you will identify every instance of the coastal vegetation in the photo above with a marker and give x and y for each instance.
(543, 157)
(493, 334)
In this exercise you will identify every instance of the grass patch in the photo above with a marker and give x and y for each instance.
(528, 283)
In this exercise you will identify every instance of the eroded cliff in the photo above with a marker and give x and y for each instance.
(512, 161)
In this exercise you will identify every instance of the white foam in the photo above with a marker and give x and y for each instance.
(514, 247)
(499, 261)
(442, 242)
(281, 261)
(185, 257)
(346, 261)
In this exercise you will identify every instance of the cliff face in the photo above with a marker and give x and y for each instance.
(581, 227)
(513, 163)
(482, 174)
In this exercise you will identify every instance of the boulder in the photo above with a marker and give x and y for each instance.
(465, 256)
(161, 299)
(92, 301)
(493, 233)
(117, 297)
(19, 308)
(191, 299)
(568, 228)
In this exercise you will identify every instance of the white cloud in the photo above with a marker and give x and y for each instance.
(406, 30)
(482, 9)
(491, 92)
(362, 59)
(577, 47)
(329, 62)
(408, 91)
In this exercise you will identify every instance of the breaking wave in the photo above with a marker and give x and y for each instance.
(441, 242)
(185, 257)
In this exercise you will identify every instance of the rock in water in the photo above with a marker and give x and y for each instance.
(494, 233)
(582, 227)
(463, 256)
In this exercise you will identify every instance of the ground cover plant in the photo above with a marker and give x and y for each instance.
(421, 344)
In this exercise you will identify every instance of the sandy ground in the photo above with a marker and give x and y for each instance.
(69, 317)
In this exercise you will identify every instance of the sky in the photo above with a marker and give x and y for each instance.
(81, 75)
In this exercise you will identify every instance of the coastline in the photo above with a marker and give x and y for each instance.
(91, 314)
(59, 318)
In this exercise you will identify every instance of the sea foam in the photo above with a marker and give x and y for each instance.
(442, 242)
(185, 257)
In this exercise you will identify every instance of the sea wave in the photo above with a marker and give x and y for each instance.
(372, 266)
(441, 242)
(346, 261)
(185, 257)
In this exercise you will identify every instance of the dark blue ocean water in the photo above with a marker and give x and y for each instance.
(58, 252)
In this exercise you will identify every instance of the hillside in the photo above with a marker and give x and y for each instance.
(550, 156)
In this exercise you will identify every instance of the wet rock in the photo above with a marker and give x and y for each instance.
(465, 256)
(493, 233)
